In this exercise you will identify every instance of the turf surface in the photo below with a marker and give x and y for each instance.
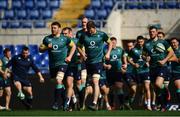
(87, 113)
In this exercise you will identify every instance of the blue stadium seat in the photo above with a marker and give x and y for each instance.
(5, 24)
(54, 4)
(40, 24)
(131, 4)
(17, 4)
(108, 4)
(3, 4)
(96, 4)
(44, 63)
(46, 14)
(89, 13)
(171, 4)
(18, 49)
(102, 14)
(11, 47)
(21, 14)
(161, 4)
(26, 24)
(33, 49)
(41, 4)
(9, 14)
(1, 50)
(29, 4)
(147, 4)
(34, 14)
(15, 24)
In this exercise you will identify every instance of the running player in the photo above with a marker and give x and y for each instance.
(20, 66)
(93, 41)
(176, 67)
(4, 80)
(57, 46)
(160, 52)
(141, 67)
(116, 67)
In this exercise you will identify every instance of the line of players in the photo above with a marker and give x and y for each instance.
(98, 70)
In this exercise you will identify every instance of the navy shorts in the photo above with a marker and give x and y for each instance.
(176, 76)
(94, 68)
(73, 72)
(130, 78)
(24, 82)
(141, 77)
(4, 84)
(55, 70)
(158, 72)
(102, 82)
(83, 65)
(114, 76)
(169, 76)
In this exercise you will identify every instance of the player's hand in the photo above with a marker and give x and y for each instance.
(162, 62)
(136, 65)
(84, 56)
(41, 80)
(148, 58)
(147, 64)
(124, 66)
(68, 59)
(50, 45)
(123, 70)
(107, 56)
(108, 67)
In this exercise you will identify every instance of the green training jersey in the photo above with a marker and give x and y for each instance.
(136, 55)
(94, 45)
(80, 33)
(59, 50)
(116, 57)
(157, 50)
(4, 61)
(75, 57)
(130, 68)
(176, 66)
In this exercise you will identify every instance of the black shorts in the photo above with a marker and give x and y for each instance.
(141, 77)
(4, 84)
(55, 70)
(24, 82)
(83, 65)
(102, 82)
(73, 72)
(94, 68)
(114, 76)
(158, 72)
(176, 76)
(130, 78)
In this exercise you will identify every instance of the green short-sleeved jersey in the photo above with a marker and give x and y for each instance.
(80, 33)
(116, 57)
(130, 68)
(59, 50)
(4, 61)
(136, 54)
(94, 45)
(176, 66)
(157, 50)
(75, 58)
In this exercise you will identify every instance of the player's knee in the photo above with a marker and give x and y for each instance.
(84, 74)
(60, 76)
(96, 77)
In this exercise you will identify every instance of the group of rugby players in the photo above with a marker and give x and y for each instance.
(90, 63)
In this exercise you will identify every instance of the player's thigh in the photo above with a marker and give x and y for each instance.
(177, 83)
(17, 84)
(7, 90)
(69, 81)
(159, 81)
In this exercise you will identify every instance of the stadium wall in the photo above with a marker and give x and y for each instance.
(128, 24)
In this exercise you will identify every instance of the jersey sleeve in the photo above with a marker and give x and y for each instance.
(167, 46)
(45, 41)
(106, 38)
(33, 65)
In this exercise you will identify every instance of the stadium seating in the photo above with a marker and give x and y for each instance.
(3, 4)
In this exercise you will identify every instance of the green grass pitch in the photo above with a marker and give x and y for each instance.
(87, 113)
